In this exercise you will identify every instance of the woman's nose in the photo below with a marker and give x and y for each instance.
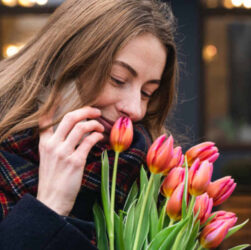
(132, 107)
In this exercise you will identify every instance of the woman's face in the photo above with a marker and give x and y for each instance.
(135, 75)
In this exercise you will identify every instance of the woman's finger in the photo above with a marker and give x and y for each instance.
(85, 146)
(80, 131)
(71, 118)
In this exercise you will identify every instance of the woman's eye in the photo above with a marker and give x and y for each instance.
(145, 94)
(117, 81)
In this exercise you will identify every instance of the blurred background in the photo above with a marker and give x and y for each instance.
(214, 45)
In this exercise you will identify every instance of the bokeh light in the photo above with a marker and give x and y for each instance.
(209, 52)
(247, 4)
(237, 3)
(228, 4)
(42, 2)
(26, 3)
(11, 49)
(10, 3)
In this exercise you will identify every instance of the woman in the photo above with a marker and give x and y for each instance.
(93, 62)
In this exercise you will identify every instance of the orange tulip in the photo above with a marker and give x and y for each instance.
(160, 154)
(121, 134)
(199, 177)
(214, 233)
(203, 151)
(172, 180)
(176, 160)
(221, 189)
(174, 204)
(205, 205)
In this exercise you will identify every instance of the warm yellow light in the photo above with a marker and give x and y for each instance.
(247, 4)
(237, 3)
(26, 3)
(10, 3)
(42, 2)
(11, 49)
(228, 4)
(209, 52)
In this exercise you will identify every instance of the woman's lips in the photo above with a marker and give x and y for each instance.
(106, 123)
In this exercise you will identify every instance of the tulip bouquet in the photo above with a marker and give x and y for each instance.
(171, 209)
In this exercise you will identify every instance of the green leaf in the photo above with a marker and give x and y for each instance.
(145, 219)
(102, 242)
(240, 247)
(119, 229)
(162, 215)
(129, 231)
(165, 238)
(168, 243)
(187, 233)
(191, 241)
(131, 196)
(160, 237)
(195, 245)
(153, 220)
(233, 230)
(144, 247)
(105, 188)
(145, 222)
(184, 199)
(143, 179)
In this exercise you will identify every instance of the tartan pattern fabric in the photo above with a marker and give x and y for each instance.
(19, 161)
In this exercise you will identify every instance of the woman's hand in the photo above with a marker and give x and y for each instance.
(63, 156)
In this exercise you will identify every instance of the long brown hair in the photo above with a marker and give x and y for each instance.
(82, 38)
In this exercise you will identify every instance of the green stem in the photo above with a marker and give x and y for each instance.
(114, 177)
(191, 205)
(163, 215)
(200, 247)
(171, 222)
(135, 247)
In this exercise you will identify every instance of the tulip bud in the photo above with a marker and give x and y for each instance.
(223, 215)
(172, 180)
(160, 154)
(205, 205)
(203, 151)
(221, 189)
(199, 177)
(174, 204)
(176, 160)
(121, 134)
(214, 233)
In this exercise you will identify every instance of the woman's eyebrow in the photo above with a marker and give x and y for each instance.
(133, 71)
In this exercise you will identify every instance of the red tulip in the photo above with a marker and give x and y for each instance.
(121, 134)
(199, 177)
(214, 233)
(205, 205)
(160, 154)
(174, 204)
(221, 189)
(172, 180)
(176, 160)
(203, 151)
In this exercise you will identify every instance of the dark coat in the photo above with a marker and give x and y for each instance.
(33, 226)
